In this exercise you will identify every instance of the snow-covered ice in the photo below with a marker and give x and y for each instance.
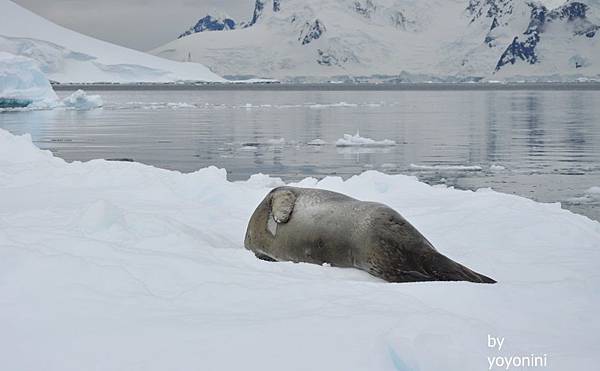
(23, 84)
(81, 101)
(122, 266)
(356, 140)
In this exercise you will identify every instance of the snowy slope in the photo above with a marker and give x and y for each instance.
(432, 38)
(121, 266)
(67, 56)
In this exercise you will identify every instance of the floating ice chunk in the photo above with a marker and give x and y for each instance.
(156, 105)
(591, 195)
(22, 84)
(276, 142)
(249, 149)
(356, 140)
(317, 142)
(446, 167)
(332, 105)
(80, 101)
(495, 167)
(177, 105)
(593, 191)
(580, 200)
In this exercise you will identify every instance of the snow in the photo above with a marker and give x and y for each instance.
(80, 101)
(357, 141)
(21, 81)
(450, 167)
(69, 57)
(121, 266)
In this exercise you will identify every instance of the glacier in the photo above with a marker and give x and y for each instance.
(404, 41)
(147, 266)
(65, 56)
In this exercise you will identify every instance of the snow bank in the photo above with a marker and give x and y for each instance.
(148, 266)
(22, 84)
(80, 101)
(356, 140)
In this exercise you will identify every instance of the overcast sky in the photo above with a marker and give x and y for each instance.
(138, 24)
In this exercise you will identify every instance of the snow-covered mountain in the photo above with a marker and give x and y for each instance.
(212, 23)
(67, 56)
(404, 40)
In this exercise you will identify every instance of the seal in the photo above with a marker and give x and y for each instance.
(318, 226)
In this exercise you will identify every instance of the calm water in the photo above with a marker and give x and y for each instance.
(543, 145)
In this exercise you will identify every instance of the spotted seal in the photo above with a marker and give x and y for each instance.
(318, 226)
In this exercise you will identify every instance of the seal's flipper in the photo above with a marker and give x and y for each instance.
(443, 268)
(264, 257)
(282, 205)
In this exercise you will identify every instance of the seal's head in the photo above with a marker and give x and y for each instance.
(274, 210)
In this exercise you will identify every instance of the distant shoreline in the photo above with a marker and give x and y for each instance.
(338, 87)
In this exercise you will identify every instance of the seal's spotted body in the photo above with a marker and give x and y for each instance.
(317, 226)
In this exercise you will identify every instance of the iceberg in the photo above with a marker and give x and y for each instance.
(81, 101)
(22, 84)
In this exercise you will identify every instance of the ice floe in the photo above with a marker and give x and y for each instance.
(357, 141)
(147, 266)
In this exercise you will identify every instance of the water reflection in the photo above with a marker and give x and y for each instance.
(540, 144)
